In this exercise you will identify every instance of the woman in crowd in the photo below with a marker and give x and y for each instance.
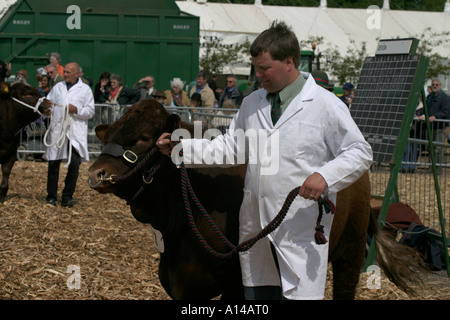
(102, 85)
(176, 97)
(118, 93)
(44, 85)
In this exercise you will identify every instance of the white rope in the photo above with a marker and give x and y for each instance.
(35, 108)
(61, 136)
(66, 123)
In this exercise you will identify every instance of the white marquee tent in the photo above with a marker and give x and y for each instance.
(339, 27)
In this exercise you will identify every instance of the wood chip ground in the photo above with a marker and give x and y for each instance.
(40, 246)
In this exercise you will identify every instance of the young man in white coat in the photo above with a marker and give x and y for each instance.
(319, 147)
(73, 94)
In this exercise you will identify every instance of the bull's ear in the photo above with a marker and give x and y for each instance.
(100, 131)
(5, 90)
(172, 123)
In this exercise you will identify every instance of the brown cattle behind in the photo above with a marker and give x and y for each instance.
(13, 117)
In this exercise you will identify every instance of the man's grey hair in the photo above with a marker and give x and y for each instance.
(437, 80)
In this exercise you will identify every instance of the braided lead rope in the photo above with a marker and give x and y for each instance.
(187, 190)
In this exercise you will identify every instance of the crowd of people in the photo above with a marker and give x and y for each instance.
(111, 89)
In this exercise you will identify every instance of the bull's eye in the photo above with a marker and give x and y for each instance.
(144, 139)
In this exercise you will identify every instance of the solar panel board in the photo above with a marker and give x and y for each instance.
(381, 100)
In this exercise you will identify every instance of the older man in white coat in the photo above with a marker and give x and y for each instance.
(68, 134)
(319, 147)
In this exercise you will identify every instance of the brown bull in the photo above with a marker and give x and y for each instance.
(131, 169)
(13, 117)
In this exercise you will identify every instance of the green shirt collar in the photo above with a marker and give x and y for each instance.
(290, 91)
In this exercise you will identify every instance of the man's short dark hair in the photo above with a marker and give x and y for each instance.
(204, 74)
(280, 41)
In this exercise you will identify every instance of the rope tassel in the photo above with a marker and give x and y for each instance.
(319, 236)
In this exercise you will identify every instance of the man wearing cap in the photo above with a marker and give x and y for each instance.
(348, 93)
(21, 76)
(159, 96)
(321, 79)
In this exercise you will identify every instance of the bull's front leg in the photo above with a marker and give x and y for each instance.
(6, 172)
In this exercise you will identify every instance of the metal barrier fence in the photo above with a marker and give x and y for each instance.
(31, 137)
(415, 182)
(415, 185)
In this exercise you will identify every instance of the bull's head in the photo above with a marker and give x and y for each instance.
(128, 142)
(29, 96)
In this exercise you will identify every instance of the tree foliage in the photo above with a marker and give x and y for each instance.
(416, 5)
(217, 54)
(345, 67)
(429, 40)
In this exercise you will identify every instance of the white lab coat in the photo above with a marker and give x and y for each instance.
(316, 134)
(80, 95)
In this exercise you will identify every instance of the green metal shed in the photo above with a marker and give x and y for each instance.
(132, 38)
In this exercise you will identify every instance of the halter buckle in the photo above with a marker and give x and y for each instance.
(130, 156)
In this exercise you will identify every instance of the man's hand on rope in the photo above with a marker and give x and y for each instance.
(313, 187)
(73, 109)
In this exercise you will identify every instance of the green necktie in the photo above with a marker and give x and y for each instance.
(276, 107)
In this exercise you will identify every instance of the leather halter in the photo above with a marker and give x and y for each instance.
(130, 157)
(116, 151)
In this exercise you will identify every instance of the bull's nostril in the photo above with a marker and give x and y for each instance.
(96, 178)
(101, 174)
